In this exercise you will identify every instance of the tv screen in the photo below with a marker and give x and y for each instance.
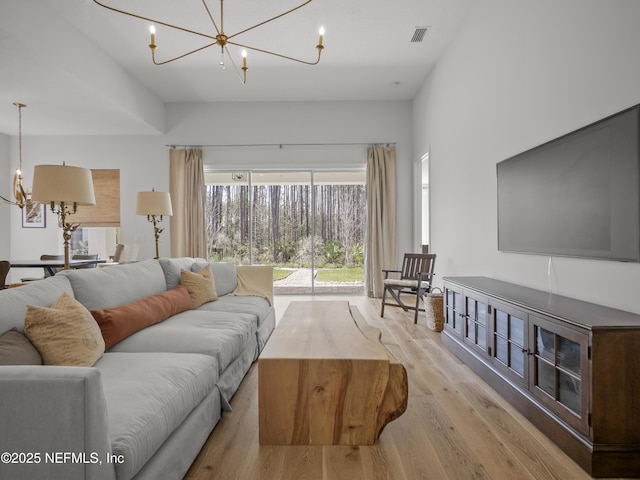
(577, 195)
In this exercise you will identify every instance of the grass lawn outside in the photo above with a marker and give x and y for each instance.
(280, 273)
(329, 275)
(338, 275)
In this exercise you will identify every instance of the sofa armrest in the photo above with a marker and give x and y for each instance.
(53, 424)
(255, 280)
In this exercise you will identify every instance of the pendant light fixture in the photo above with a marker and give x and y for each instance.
(219, 38)
(20, 197)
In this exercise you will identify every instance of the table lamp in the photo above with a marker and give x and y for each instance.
(154, 205)
(64, 188)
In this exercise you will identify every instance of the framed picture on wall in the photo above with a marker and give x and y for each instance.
(34, 215)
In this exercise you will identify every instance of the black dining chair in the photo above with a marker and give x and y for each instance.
(85, 257)
(5, 266)
(48, 272)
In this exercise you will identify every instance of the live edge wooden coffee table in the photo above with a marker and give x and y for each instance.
(324, 378)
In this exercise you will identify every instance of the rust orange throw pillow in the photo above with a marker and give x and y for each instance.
(117, 323)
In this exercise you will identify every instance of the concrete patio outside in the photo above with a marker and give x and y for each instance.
(299, 282)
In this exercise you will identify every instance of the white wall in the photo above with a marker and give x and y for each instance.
(518, 74)
(143, 160)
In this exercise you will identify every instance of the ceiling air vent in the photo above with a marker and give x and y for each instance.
(418, 35)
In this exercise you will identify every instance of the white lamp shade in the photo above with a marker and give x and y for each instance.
(154, 203)
(61, 183)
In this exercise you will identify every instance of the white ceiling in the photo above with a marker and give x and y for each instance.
(82, 69)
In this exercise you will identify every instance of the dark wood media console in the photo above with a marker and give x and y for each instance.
(571, 367)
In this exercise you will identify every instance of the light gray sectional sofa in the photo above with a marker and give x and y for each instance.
(147, 406)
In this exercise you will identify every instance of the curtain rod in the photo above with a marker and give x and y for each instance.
(280, 145)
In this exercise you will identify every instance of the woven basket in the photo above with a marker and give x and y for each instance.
(434, 310)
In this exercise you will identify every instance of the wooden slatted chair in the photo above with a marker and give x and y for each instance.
(415, 279)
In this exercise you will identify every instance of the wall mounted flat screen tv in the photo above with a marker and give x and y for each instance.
(577, 195)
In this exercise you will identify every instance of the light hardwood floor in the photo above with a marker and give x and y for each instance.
(455, 426)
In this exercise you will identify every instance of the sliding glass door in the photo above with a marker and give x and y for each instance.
(283, 228)
(341, 216)
(308, 225)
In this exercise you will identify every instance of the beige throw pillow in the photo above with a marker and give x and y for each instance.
(65, 334)
(199, 285)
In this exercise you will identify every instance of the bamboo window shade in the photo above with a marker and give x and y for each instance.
(106, 211)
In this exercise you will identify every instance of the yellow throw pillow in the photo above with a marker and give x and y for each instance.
(65, 334)
(199, 285)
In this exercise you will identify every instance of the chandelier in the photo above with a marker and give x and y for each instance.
(18, 190)
(220, 39)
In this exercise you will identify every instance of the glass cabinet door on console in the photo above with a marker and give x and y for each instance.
(476, 321)
(508, 347)
(454, 309)
(560, 356)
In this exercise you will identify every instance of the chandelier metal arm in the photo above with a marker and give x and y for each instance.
(270, 20)
(154, 21)
(19, 193)
(215, 25)
(319, 47)
(241, 76)
(153, 55)
(21, 196)
(7, 201)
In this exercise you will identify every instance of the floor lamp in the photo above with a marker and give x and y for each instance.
(64, 188)
(154, 205)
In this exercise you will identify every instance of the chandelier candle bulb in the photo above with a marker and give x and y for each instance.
(321, 35)
(244, 67)
(152, 30)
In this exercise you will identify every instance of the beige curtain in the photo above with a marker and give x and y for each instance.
(186, 185)
(381, 247)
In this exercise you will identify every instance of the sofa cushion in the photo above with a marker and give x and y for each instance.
(149, 395)
(225, 278)
(41, 293)
(200, 286)
(117, 323)
(16, 349)
(173, 266)
(108, 287)
(219, 334)
(240, 304)
(65, 334)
